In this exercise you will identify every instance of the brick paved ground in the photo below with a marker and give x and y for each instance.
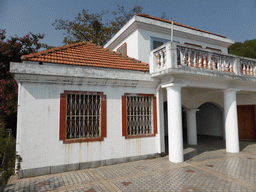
(207, 167)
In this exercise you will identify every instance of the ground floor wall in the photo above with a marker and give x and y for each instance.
(38, 131)
(43, 152)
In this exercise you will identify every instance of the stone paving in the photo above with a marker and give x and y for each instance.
(207, 167)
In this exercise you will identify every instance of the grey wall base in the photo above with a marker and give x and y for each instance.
(78, 166)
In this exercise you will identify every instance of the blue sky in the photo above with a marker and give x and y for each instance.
(235, 19)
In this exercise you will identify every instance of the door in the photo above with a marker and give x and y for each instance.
(246, 122)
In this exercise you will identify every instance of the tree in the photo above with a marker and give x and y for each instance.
(8, 154)
(10, 51)
(246, 49)
(92, 27)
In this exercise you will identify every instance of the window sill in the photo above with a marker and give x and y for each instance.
(83, 140)
(138, 136)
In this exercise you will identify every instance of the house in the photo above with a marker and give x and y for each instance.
(83, 105)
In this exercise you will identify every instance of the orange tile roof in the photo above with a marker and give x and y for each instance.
(87, 54)
(178, 24)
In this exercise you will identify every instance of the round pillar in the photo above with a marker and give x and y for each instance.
(175, 138)
(231, 123)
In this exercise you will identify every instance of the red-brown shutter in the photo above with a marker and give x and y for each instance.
(103, 116)
(154, 115)
(63, 114)
(124, 116)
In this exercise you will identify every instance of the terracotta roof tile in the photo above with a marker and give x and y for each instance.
(178, 24)
(87, 54)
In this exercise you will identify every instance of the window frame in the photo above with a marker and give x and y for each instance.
(124, 116)
(192, 44)
(152, 39)
(121, 46)
(63, 117)
(215, 49)
(157, 39)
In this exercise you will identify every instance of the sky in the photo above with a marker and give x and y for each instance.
(235, 19)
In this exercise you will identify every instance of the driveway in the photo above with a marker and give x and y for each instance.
(207, 167)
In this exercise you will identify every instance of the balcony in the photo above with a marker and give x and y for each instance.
(174, 58)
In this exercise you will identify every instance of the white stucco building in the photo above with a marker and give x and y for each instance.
(83, 106)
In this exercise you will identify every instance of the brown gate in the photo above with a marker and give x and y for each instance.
(246, 121)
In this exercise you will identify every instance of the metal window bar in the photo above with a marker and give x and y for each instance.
(139, 115)
(83, 116)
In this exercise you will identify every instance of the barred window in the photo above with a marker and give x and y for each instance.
(84, 116)
(139, 115)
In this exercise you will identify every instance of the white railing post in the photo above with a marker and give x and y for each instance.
(172, 55)
(237, 66)
(152, 62)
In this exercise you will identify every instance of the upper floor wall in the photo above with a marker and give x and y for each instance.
(141, 35)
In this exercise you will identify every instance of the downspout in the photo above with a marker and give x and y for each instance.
(172, 32)
(18, 125)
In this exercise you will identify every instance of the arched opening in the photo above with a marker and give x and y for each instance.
(209, 120)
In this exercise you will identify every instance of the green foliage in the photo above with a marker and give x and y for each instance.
(11, 50)
(8, 154)
(246, 49)
(93, 27)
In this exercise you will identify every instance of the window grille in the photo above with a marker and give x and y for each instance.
(83, 116)
(139, 115)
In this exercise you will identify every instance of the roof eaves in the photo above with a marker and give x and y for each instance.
(178, 24)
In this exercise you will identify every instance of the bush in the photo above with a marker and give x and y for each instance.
(8, 154)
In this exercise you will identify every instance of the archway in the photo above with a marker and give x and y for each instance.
(210, 121)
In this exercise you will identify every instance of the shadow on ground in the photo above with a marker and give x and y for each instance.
(205, 145)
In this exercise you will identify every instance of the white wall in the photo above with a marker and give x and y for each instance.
(132, 45)
(39, 128)
(144, 41)
(246, 99)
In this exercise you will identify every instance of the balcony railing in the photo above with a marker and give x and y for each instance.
(175, 55)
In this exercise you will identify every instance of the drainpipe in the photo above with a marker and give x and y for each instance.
(172, 32)
(18, 126)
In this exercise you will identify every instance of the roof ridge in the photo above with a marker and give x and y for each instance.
(176, 23)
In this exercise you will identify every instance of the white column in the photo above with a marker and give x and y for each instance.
(231, 123)
(191, 126)
(175, 138)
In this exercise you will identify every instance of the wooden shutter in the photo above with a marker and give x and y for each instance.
(103, 116)
(124, 116)
(154, 115)
(63, 114)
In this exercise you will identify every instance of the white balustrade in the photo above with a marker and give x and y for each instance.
(175, 55)
(248, 67)
(205, 59)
